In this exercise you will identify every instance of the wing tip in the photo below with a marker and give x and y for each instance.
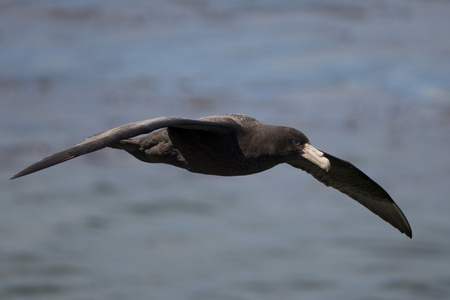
(402, 223)
(24, 172)
(407, 231)
(15, 176)
(44, 163)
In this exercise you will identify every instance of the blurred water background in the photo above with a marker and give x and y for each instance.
(367, 81)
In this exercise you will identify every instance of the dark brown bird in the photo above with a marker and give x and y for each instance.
(231, 145)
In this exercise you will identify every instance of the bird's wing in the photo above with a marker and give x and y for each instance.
(351, 181)
(112, 136)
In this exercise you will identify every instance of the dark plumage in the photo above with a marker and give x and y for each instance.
(231, 145)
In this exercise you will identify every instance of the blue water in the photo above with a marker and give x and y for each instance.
(365, 81)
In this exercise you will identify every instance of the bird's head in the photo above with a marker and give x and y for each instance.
(292, 144)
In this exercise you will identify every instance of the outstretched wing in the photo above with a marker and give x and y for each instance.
(112, 136)
(351, 181)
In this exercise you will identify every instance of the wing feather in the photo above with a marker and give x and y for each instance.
(351, 181)
(112, 136)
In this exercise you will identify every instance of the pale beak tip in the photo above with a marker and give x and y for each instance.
(316, 156)
(326, 165)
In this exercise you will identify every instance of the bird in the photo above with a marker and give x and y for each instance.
(234, 145)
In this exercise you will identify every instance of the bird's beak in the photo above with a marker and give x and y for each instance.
(315, 156)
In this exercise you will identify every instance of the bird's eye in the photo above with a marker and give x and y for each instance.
(294, 141)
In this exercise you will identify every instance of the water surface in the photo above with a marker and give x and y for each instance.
(367, 82)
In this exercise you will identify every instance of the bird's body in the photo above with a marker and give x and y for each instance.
(231, 145)
(214, 151)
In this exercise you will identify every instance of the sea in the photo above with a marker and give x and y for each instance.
(366, 81)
